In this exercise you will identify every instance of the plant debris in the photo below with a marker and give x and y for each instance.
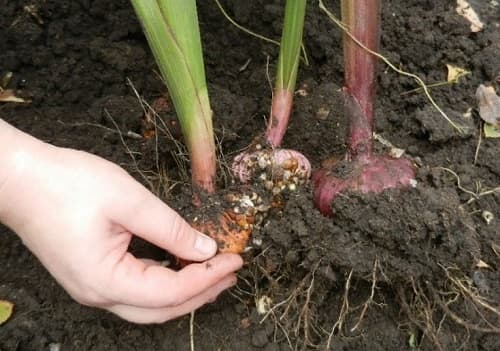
(8, 95)
(491, 131)
(455, 73)
(6, 309)
(465, 10)
(482, 264)
(489, 110)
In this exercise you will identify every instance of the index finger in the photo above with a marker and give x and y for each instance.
(138, 284)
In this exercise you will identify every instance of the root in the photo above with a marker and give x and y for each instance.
(295, 316)
(479, 140)
(191, 331)
(465, 287)
(496, 249)
(420, 311)
(370, 300)
(475, 195)
(256, 35)
(156, 180)
(346, 309)
(181, 157)
(429, 308)
(417, 79)
(131, 154)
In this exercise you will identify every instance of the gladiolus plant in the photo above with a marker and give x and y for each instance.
(367, 172)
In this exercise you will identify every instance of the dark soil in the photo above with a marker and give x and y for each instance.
(398, 271)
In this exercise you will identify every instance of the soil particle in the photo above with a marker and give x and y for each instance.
(434, 127)
(125, 111)
(481, 282)
(272, 347)
(259, 338)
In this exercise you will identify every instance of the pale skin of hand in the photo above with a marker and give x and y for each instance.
(77, 213)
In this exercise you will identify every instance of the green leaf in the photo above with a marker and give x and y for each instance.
(173, 34)
(6, 309)
(291, 41)
(490, 131)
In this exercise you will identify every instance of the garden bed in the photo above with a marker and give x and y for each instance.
(397, 271)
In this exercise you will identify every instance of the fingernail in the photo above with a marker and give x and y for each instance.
(205, 245)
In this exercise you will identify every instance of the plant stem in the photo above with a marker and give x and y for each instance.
(362, 19)
(288, 63)
(171, 28)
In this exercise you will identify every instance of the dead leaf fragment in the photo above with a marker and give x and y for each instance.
(394, 152)
(496, 249)
(482, 264)
(6, 79)
(245, 323)
(6, 309)
(32, 10)
(465, 10)
(8, 95)
(263, 304)
(322, 113)
(455, 73)
(489, 104)
(491, 131)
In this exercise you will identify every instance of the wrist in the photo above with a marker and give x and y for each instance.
(17, 154)
(7, 140)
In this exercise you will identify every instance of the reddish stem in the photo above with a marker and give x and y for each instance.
(203, 172)
(362, 18)
(203, 166)
(281, 109)
(361, 172)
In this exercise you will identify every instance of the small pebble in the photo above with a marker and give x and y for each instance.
(481, 282)
(272, 347)
(259, 338)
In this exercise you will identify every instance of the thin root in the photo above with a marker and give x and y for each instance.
(475, 194)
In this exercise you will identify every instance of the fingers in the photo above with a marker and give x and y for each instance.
(159, 315)
(148, 217)
(151, 286)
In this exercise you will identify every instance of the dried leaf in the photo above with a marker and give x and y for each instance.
(263, 304)
(496, 249)
(468, 113)
(245, 323)
(482, 264)
(8, 95)
(6, 309)
(394, 152)
(6, 79)
(489, 104)
(465, 10)
(32, 10)
(491, 131)
(455, 73)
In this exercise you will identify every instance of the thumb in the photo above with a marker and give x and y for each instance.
(146, 216)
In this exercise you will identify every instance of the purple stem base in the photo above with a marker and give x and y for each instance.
(365, 175)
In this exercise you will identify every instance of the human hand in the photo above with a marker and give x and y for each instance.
(77, 213)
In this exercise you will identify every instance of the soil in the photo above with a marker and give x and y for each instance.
(396, 271)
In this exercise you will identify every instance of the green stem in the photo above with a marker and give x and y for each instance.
(288, 64)
(172, 30)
